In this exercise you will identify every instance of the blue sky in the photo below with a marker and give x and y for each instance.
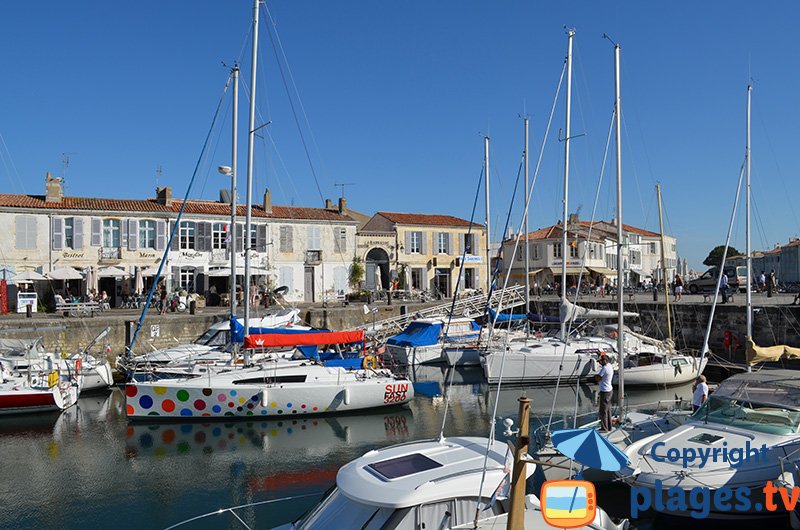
(398, 96)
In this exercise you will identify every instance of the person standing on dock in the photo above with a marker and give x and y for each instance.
(700, 389)
(723, 288)
(771, 283)
(604, 377)
(678, 288)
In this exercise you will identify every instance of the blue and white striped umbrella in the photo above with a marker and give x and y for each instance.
(587, 447)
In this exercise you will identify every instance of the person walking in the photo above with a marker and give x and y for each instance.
(771, 283)
(678, 288)
(604, 377)
(700, 392)
(762, 282)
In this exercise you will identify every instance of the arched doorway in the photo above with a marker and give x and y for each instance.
(377, 272)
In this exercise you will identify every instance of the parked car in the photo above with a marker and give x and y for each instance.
(708, 280)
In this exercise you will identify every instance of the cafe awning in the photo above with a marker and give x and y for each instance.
(605, 271)
(533, 272)
(570, 270)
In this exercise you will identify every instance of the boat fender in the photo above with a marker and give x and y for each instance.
(264, 400)
(78, 366)
(370, 362)
(346, 396)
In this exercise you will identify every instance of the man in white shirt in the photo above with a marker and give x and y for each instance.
(604, 377)
(723, 288)
(700, 389)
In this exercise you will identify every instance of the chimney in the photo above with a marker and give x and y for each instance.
(54, 189)
(164, 195)
(342, 206)
(267, 201)
(328, 204)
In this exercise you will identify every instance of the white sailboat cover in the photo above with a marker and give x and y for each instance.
(760, 354)
(570, 311)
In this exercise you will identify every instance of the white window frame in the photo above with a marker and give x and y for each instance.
(111, 233)
(187, 236)
(416, 243)
(148, 233)
(557, 250)
(69, 232)
(443, 243)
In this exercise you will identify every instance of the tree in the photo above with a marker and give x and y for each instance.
(356, 273)
(715, 256)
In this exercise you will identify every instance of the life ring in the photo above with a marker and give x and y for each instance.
(370, 362)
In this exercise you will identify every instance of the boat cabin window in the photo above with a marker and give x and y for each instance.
(271, 380)
(402, 466)
(338, 511)
(442, 514)
(749, 415)
(213, 337)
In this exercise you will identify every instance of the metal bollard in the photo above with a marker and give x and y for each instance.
(28, 311)
(655, 293)
(192, 307)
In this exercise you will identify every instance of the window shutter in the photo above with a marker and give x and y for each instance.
(133, 234)
(176, 239)
(290, 239)
(460, 238)
(209, 236)
(57, 236)
(176, 278)
(450, 246)
(123, 233)
(423, 238)
(261, 238)
(408, 242)
(96, 239)
(161, 235)
(200, 237)
(77, 233)
(240, 238)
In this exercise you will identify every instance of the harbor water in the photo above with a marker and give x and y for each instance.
(88, 467)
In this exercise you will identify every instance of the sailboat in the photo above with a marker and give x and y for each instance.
(552, 359)
(38, 388)
(272, 386)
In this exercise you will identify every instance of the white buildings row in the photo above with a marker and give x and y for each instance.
(593, 247)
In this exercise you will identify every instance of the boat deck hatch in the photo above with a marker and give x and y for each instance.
(403, 466)
(705, 438)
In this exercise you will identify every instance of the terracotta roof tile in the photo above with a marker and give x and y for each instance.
(425, 219)
(152, 206)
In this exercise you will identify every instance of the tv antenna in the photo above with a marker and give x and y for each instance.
(158, 174)
(65, 164)
(343, 184)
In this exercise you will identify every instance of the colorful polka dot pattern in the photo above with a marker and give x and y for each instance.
(207, 402)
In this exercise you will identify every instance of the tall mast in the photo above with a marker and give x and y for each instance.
(527, 243)
(620, 314)
(748, 252)
(251, 135)
(232, 231)
(570, 34)
(488, 229)
(663, 260)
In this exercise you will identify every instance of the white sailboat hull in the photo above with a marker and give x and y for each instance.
(282, 389)
(544, 362)
(663, 374)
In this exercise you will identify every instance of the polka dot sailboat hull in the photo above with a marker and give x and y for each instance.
(277, 389)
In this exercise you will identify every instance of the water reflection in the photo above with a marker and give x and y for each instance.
(316, 434)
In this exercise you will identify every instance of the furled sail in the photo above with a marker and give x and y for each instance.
(570, 311)
(760, 354)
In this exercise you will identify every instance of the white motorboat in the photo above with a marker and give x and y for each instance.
(37, 390)
(19, 354)
(275, 387)
(423, 340)
(749, 432)
(428, 484)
